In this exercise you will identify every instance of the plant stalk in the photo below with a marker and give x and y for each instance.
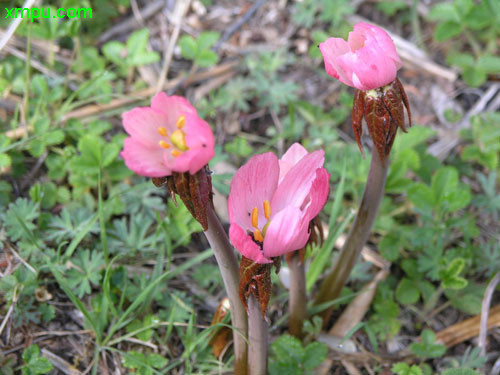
(374, 191)
(298, 296)
(228, 265)
(257, 338)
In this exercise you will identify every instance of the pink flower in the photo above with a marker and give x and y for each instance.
(368, 60)
(167, 137)
(272, 201)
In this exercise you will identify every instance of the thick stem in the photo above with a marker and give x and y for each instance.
(374, 191)
(228, 265)
(298, 297)
(257, 338)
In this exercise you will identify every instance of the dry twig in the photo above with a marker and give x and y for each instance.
(485, 309)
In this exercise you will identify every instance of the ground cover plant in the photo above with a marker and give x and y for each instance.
(134, 139)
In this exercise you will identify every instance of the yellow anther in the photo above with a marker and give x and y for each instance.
(162, 131)
(258, 236)
(164, 144)
(255, 217)
(181, 121)
(178, 138)
(267, 209)
(175, 153)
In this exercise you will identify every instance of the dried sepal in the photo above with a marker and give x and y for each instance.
(194, 190)
(222, 336)
(358, 111)
(402, 93)
(159, 181)
(255, 278)
(383, 111)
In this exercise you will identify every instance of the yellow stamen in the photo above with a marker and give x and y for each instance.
(181, 121)
(267, 209)
(178, 138)
(162, 131)
(255, 217)
(175, 153)
(164, 144)
(258, 236)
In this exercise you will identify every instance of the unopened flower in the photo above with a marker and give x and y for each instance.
(272, 201)
(366, 61)
(167, 137)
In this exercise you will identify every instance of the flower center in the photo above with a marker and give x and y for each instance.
(257, 234)
(177, 138)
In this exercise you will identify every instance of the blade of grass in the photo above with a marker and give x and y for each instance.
(324, 255)
(79, 237)
(106, 286)
(144, 294)
(102, 221)
(74, 299)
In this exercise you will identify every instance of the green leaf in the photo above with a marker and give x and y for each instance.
(489, 64)
(474, 76)
(460, 371)
(479, 17)
(463, 7)
(90, 147)
(450, 276)
(34, 363)
(390, 246)
(427, 348)
(288, 349)
(315, 353)
(137, 41)
(22, 208)
(5, 161)
(444, 180)
(207, 39)
(391, 7)
(407, 292)
(206, 58)
(114, 52)
(447, 30)
(462, 60)
(134, 360)
(189, 47)
(468, 299)
(422, 197)
(443, 12)
(157, 361)
(402, 368)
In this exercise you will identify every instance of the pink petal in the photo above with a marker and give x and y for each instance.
(201, 142)
(142, 123)
(383, 39)
(293, 155)
(369, 67)
(331, 49)
(296, 186)
(144, 160)
(172, 107)
(252, 184)
(319, 193)
(287, 231)
(245, 245)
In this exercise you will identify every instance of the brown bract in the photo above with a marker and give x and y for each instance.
(194, 190)
(255, 278)
(383, 111)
